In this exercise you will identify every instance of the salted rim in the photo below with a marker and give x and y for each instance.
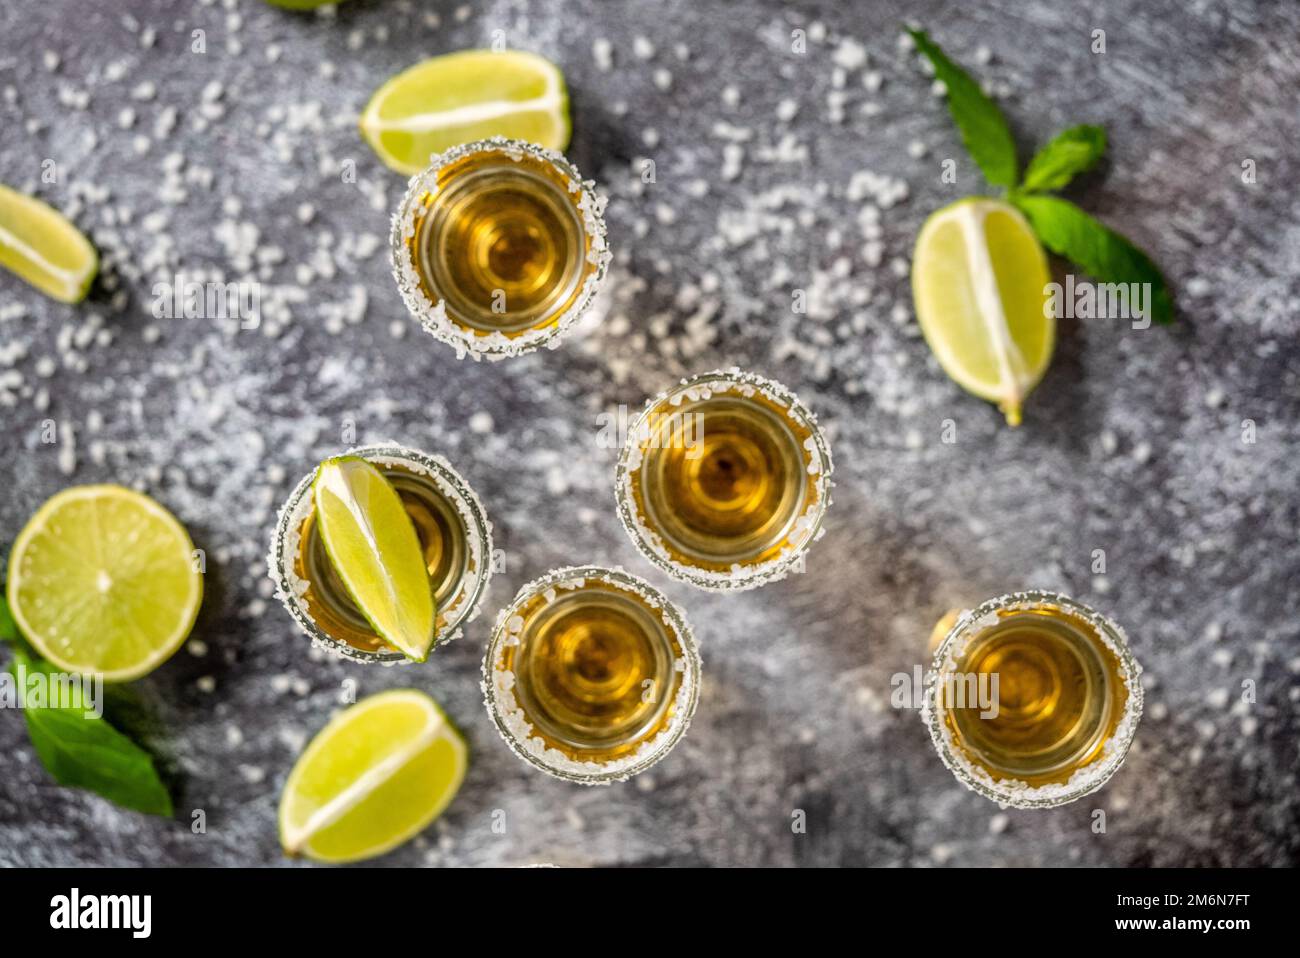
(1014, 792)
(808, 527)
(290, 587)
(433, 316)
(510, 720)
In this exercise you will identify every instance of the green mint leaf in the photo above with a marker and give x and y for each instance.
(86, 752)
(81, 750)
(1106, 255)
(983, 128)
(1070, 153)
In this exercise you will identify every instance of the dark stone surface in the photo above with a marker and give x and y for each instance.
(1132, 444)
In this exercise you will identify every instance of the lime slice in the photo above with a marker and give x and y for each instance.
(979, 279)
(373, 547)
(42, 247)
(373, 778)
(462, 97)
(103, 579)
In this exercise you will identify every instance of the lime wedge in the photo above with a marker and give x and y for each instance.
(373, 778)
(373, 547)
(42, 247)
(103, 579)
(462, 97)
(979, 279)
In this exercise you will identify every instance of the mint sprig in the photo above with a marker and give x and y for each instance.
(1070, 232)
(82, 750)
(1060, 225)
(983, 128)
(1070, 153)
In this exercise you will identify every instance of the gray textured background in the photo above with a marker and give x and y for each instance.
(1132, 444)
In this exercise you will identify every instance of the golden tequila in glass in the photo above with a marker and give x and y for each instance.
(1065, 703)
(499, 247)
(724, 481)
(453, 532)
(591, 675)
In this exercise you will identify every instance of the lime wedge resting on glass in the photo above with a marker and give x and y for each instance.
(39, 244)
(104, 580)
(373, 778)
(373, 546)
(980, 285)
(462, 97)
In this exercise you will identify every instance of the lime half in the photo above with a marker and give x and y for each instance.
(373, 778)
(104, 580)
(42, 247)
(373, 546)
(980, 282)
(462, 97)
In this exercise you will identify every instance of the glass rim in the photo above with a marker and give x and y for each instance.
(1015, 793)
(621, 769)
(758, 574)
(284, 540)
(432, 316)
